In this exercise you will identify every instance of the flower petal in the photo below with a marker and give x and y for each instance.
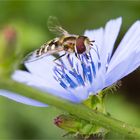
(98, 83)
(123, 68)
(105, 39)
(37, 82)
(111, 31)
(21, 99)
(29, 78)
(126, 58)
(81, 93)
(127, 46)
(96, 35)
(43, 69)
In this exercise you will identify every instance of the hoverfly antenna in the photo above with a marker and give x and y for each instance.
(91, 42)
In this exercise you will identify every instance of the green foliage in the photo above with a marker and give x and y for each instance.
(29, 19)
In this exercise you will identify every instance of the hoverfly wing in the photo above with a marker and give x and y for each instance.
(33, 56)
(55, 27)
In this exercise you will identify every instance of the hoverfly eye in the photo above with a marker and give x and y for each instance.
(80, 45)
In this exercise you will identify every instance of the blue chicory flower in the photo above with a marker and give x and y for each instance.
(74, 79)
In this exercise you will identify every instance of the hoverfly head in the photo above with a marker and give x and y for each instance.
(88, 44)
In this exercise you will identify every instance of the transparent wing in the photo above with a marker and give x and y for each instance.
(33, 56)
(55, 27)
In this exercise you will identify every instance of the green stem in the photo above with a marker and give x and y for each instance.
(78, 110)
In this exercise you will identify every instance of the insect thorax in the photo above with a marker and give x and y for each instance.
(69, 43)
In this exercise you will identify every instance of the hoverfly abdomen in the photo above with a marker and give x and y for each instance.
(39, 52)
(42, 50)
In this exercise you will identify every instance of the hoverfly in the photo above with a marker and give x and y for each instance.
(64, 42)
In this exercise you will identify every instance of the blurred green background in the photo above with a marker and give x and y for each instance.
(29, 18)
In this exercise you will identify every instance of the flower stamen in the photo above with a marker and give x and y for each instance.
(77, 74)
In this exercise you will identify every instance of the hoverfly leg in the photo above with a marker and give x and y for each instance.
(59, 57)
(86, 55)
(76, 54)
(57, 64)
(68, 56)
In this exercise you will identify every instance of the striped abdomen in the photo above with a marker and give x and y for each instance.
(48, 47)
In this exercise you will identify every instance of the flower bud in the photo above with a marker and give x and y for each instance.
(10, 34)
(67, 122)
(74, 125)
(8, 50)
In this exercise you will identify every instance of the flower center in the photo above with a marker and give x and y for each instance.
(77, 72)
